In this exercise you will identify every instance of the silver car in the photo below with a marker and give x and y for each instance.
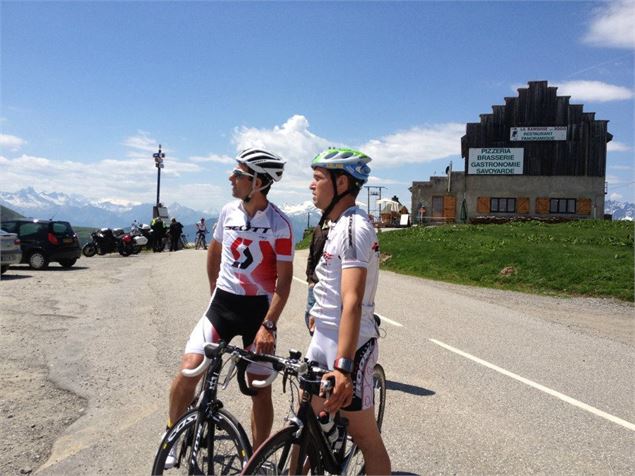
(10, 252)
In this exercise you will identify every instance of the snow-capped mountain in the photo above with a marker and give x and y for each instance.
(620, 210)
(82, 211)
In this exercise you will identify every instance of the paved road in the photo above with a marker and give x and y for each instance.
(480, 381)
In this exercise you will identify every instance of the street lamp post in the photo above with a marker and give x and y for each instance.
(158, 162)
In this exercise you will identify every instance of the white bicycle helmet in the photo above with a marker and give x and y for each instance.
(262, 162)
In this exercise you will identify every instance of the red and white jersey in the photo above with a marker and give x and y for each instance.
(251, 248)
(351, 243)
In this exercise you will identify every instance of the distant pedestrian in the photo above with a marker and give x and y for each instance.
(175, 234)
(158, 233)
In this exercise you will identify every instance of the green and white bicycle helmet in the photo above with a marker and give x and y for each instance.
(349, 161)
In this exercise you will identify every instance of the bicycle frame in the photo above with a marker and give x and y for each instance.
(207, 404)
(309, 431)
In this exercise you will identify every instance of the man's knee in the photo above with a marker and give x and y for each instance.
(263, 394)
(188, 361)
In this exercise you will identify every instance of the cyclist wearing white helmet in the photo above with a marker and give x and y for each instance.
(250, 268)
(345, 337)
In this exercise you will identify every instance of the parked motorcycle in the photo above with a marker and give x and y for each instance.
(106, 241)
(142, 236)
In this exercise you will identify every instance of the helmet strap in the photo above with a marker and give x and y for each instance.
(254, 189)
(336, 198)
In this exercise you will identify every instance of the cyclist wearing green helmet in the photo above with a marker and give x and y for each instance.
(345, 336)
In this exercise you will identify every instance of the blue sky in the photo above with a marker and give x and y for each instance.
(89, 89)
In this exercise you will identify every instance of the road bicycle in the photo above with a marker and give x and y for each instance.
(199, 243)
(208, 439)
(303, 447)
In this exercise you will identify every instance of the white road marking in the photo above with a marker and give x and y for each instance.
(383, 318)
(542, 388)
(389, 321)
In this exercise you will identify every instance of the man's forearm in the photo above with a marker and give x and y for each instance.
(213, 263)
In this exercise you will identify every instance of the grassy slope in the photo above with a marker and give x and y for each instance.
(593, 258)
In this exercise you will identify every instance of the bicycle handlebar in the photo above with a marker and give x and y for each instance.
(241, 358)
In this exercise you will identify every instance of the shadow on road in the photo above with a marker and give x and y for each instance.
(11, 277)
(403, 472)
(411, 389)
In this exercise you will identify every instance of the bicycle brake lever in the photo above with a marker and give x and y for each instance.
(284, 382)
(230, 371)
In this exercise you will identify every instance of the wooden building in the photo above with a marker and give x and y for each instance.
(535, 156)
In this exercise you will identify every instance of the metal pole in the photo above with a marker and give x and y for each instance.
(158, 184)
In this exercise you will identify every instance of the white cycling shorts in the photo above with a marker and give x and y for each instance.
(323, 350)
(204, 332)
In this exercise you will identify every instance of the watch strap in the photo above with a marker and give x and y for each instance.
(344, 365)
(269, 325)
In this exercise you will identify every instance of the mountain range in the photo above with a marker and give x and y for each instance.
(82, 211)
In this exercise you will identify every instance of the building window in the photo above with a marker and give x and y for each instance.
(502, 205)
(562, 205)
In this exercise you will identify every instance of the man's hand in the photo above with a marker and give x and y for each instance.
(342, 393)
(265, 341)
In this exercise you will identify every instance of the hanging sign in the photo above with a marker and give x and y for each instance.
(496, 161)
(537, 133)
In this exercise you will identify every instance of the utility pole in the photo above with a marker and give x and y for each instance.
(375, 191)
(158, 163)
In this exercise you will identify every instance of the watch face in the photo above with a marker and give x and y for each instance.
(269, 325)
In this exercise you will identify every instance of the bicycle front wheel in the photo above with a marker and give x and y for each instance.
(222, 447)
(279, 455)
(353, 459)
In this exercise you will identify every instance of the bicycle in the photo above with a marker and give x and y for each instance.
(200, 241)
(209, 439)
(302, 447)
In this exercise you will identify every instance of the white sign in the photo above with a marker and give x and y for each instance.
(496, 161)
(537, 133)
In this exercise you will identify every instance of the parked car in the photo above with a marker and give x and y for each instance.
(10, 252)
(45, 241)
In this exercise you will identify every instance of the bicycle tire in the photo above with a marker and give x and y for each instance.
(231, 446)
(272, 458)
(354, 460)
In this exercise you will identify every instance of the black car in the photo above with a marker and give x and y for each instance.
(45, 241)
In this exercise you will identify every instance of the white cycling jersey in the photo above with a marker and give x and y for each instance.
(251, 248)
(351, 243)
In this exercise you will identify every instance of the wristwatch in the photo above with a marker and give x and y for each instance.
(344, 365)
(269, 325)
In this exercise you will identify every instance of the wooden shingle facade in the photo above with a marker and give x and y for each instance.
(536, 156)
(582, 154)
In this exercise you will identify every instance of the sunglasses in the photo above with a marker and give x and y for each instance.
(238, 173)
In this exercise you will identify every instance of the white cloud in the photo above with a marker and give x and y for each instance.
(613, 25)
(133, 179)
(10, 142)
(620, 167)
(593, 91)
(614, 146)
(215, 158)
(417, 145)
(616, 197)
(298, 145)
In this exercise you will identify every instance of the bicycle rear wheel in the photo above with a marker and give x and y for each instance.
(276, 454)
(223, 446)
(353, 459)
